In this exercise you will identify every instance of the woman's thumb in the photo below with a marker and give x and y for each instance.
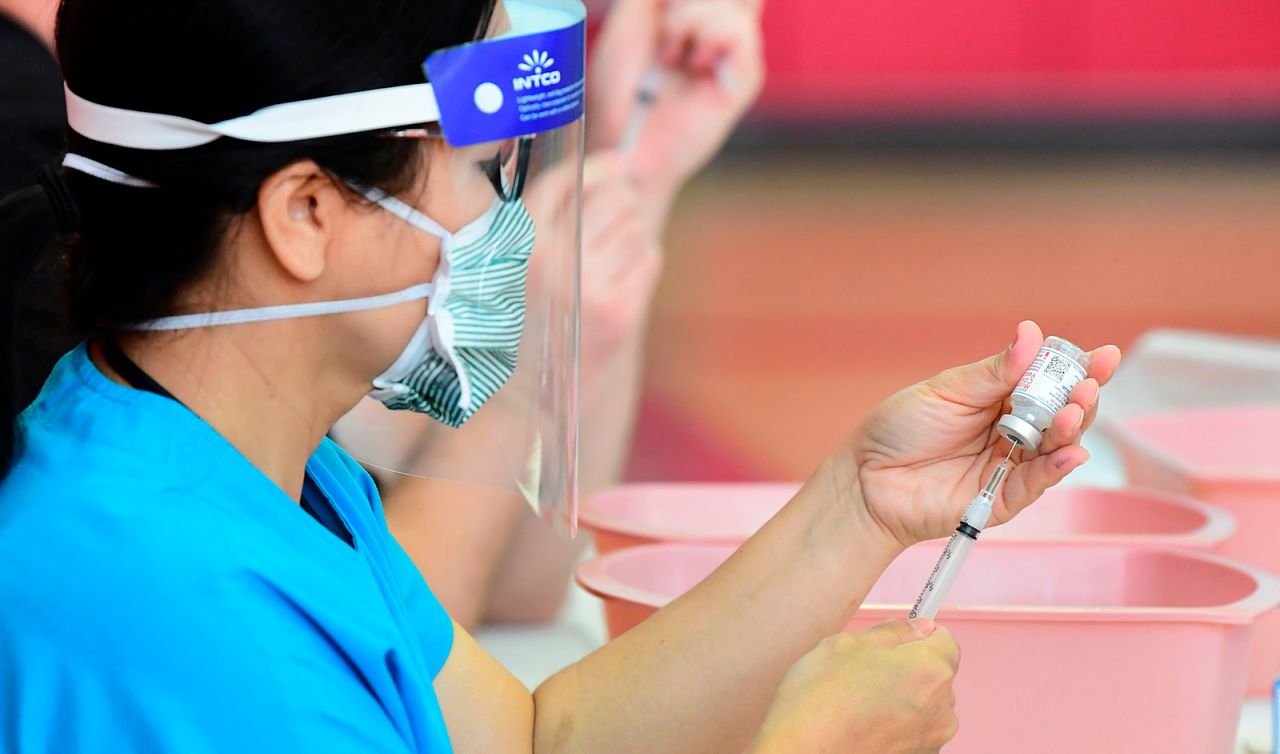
(989, 381)
(895, 632)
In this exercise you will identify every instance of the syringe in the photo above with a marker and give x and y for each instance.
(645, 96)
(971, 525)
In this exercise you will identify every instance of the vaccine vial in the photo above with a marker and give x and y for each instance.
(1043, 391)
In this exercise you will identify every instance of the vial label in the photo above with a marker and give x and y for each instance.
(1051, 379)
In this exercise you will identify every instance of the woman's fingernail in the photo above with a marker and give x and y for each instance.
(1062, 463)
(924, 626)
(1017, 334)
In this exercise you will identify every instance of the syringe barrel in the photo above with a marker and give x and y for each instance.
(948, 567)
(944, 574)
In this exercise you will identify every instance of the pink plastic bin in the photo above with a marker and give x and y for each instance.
(1229, 457)
(1068, 648)
(729, 513)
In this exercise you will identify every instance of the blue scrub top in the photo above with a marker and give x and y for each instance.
(159, 594)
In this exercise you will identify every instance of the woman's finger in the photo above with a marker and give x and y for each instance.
(707, 54)
(704, 33)
(1065, 429)
(607, 208)
(1086, 393)
(1103, 362)
(1086, 397)
(1029, 480)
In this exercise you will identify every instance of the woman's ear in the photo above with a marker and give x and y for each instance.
(299, 207)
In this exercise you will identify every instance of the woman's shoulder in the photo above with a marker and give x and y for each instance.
(80, 533)
(349, 485)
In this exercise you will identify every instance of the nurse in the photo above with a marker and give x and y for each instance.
(285, 210)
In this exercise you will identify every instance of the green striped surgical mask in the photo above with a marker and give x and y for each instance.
(465, 349)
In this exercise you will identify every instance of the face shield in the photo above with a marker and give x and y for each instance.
(510, 110)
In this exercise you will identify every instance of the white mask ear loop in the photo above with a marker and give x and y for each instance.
(404, 211)
(439, 319)
(85, 165)
(285, 311)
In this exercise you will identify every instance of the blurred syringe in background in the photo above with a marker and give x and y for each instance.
(647, 94)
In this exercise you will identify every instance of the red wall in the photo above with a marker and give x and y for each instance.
(981, 57)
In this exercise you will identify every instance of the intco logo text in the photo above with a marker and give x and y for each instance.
(535, 65)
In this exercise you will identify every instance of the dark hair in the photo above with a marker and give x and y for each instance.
(211, 60)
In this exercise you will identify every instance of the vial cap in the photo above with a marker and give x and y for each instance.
(1020, 431)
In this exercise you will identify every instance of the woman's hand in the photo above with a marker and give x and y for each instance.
(621, 263)
(712, 64)
(885, 691)
(621, 257)
(923, 454)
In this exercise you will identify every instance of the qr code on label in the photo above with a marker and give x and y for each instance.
(1057, 368)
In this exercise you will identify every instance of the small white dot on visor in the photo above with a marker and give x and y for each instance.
(488, 98)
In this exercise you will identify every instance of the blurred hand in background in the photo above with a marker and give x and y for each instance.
(485, 555)
(711, 62)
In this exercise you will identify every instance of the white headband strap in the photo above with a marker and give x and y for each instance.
(293, 121)
(83, 164)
